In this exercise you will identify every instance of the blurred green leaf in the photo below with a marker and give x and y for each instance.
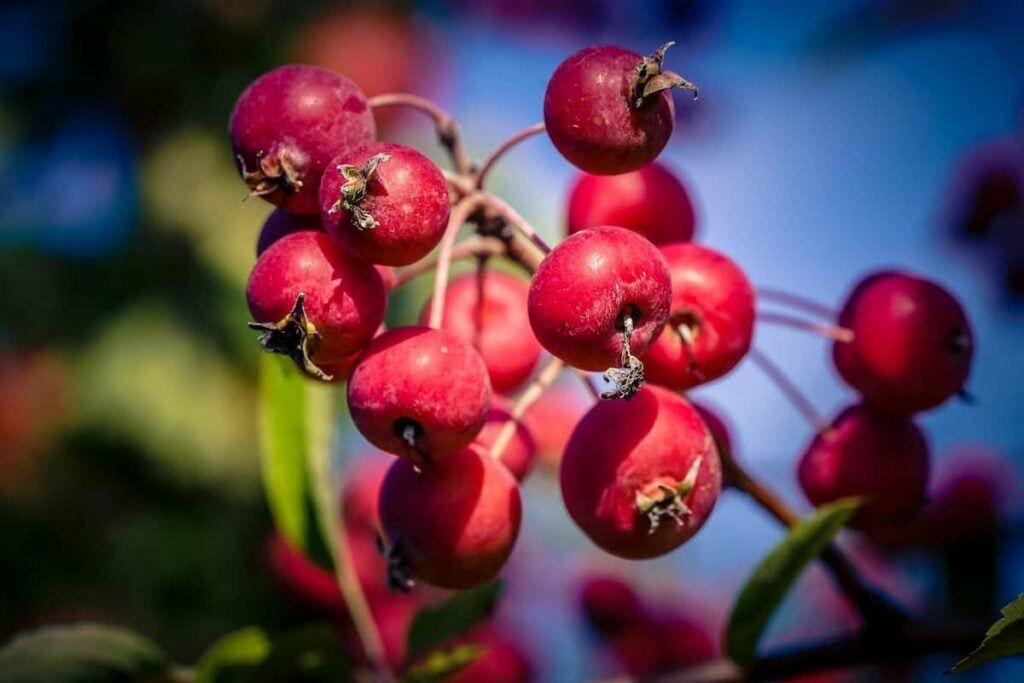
(454, 617)
(82, 653)
(442, 663)
(247, 646)
(772, 579)
(295, 417)
(1004, 639)
(308, 654)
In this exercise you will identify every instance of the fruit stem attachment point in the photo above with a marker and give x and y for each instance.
(629, 376)
(353, 191)
(651, 79)
(294, 336)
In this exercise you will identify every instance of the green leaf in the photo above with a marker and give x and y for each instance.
(309, 654)
(82, 653)
(1003, 639)
(443, 663)
(290, 416)
(454, 617)
(772, 579)
(248, 646)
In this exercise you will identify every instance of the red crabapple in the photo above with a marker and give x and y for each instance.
(451, 524)
(288, 124)
(640, 477)
(608, 110)
(313, 302)
(385, 203)
(663, 644)
(505, 340)
(518, 455)
(502, 660)
(609, 604)
(598, 299)
(419, 392)
(711, 322)
(912, 343)
(879, 456)
(651, 201)
(281, 223)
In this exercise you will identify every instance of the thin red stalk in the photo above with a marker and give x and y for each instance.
(447, 127)
(474, 246)
(530, 395)
(460, 214)
(502, 149)
(833, 332)
(796, 301)
(789, 390)
(502, 208)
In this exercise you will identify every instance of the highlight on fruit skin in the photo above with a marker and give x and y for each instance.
(640, 477)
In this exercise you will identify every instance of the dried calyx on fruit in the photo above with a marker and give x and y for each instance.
(651, 78)
(354, 189)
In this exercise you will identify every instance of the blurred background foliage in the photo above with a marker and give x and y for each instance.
(128, 466)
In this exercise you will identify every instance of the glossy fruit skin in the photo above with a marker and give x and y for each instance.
(281, 223)
(428, 377)
(912, 344)
(588, 115)
(406, 195)
(622, 448)
(609, 604)
(713, 295)
(455, 521)
(345, 298)
(583, 287)
(519, 454)
(868, 453)
(305, 113)
(506, 341)
(651, 201)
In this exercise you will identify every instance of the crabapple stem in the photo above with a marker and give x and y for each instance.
(330, 517)
(502, 208)
(834, 332)
(530, 395)
(447, 127)
(460, 183)
(872, 605)
(796, 301)
(460, 214)
(478, 313)
(789, 390)
(629, 376)
(488, 163)
(474, 246)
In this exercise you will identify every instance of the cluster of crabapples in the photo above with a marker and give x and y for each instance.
(627, 292)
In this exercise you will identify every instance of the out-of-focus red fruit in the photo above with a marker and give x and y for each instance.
(362, 489)
(652, 202)
(912, 345)
(882, 457)
(393, 614)
(308, 583)
(663, 644)
(552, 419)
(453, 523)
(711, 322)
(35, 401)
(609, 604)
(499, 329)
(518, 455)
(972, 492)
(503, 660)
(640, 477)
(383, 50)
(286, 126)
